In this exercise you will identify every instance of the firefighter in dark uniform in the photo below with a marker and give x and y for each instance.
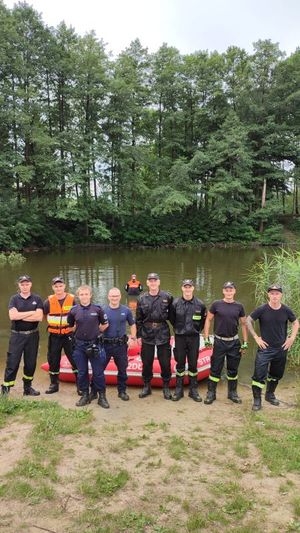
(89, 320)
(152, 313)
(273, 344)
(115, 338)
(56, 308)
(227, 315)
(25, 313)
(187, 315)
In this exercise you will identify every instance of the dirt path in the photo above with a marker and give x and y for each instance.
(189, 468)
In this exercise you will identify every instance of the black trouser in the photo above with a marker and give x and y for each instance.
(21, 344)
(270, 363)
(57, 343)
(232, 351)
(186, 348)
(164, 357)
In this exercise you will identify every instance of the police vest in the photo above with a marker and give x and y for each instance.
(57, 316)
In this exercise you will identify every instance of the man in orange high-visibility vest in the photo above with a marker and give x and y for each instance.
(56, 309)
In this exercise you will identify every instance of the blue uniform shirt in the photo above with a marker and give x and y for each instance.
(87, 320)
(117, 319)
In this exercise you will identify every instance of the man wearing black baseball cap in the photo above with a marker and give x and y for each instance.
(227, 315)
(273, 344)
(56, 308)
(152, 313)
(187, 316)
(25, 313)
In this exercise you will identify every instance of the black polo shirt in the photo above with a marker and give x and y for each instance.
(32, 303)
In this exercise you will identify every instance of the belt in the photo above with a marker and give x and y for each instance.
(227, 338)
(153, 324)
(115, 340)
(25, 332)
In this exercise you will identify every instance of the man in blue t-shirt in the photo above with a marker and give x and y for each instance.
(115, 338)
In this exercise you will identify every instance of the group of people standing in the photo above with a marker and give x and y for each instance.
(88, 332)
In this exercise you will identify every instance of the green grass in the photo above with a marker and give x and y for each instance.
(177, 447)
(278, 442)
(103, 483)
(96, 521)
(18, 489)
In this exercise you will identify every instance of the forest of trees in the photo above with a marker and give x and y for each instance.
(153, 149)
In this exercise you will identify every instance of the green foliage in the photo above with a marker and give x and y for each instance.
(15, 258)
(88, 143)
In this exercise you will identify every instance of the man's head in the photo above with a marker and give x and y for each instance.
(58, 285)
(275, 293)
(229, 290)
(153, 281)
(114, 297)
(84, 293)
(187, 288)
(133, 277)
(24, 283)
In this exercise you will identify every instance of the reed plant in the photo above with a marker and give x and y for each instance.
(283, 268)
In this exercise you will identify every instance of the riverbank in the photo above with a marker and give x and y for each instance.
(150, 465)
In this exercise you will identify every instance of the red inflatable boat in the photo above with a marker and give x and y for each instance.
(134, 370)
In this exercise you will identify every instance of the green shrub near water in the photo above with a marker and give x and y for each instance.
(283, 267)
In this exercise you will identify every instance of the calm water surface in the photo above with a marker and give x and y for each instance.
(103, 269)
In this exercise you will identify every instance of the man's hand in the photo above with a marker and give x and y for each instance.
(260, 342)
(207, 343)
(244, 347)
(288, 343)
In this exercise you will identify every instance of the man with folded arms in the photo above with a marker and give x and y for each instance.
(25, 313)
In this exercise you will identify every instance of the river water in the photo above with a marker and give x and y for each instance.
(103, 269)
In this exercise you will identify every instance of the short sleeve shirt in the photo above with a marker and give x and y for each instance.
(273, 323)
(117, 319)
(226, 317)
(87, 320)
(32, 303)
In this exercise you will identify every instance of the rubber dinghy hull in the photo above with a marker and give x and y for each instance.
(134, 370)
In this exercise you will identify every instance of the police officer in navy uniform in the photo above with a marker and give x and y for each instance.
(273, 344)
(187, 315)
(152, 314)
(115, 338)
(89, 320)
(227, 315)
(25, 313)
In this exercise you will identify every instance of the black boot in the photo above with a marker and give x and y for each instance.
(178, 394)
(84, 400)
(211, 392)
(93, 393)
(123, 395)
(146, 390)
(232, 391)
(256, 398)
(54, 386)
(102, 401)
(166, 391)
(79, 392)
(5, 390)
(29, 390)
(193, 392)
(270, 396)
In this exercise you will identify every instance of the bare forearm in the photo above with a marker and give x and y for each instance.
(249, 323)
(133, 330)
